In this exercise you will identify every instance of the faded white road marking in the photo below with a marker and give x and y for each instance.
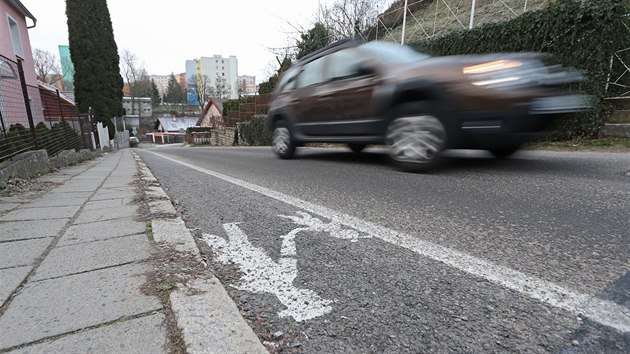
(605, 312)
(262, 275)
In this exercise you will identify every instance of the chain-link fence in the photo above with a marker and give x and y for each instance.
(37, 117)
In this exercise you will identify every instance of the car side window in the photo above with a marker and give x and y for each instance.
(288, 80)
(313, 73)
(344, 64)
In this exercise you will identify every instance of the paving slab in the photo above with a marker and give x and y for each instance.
(57, 200)
(25, 213)
(21, 230)
(106, 204)
(76, 185)
(55, 178)
(8, 206)
(88, 216)
(10, 279)
(62, 305)
(139, 335)
(54, 194)
(101, 231)
(104, 194)
(93, 255)
(22, 253)
(210, 321)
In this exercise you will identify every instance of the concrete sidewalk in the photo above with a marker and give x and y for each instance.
(73, 262)
(80, 272)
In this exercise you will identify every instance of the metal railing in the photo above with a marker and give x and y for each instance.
(33, 118)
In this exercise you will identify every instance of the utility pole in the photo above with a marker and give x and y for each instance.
(472, 14)
(402, 38)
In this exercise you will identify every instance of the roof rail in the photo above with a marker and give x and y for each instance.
(355, 38)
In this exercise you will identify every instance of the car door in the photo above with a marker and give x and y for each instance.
(308, 101)
(350, 87)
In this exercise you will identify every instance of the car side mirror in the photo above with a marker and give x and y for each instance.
(365, 69)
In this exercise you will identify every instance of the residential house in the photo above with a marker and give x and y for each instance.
(212, 114)
(57, 106)
(171, 129)
(168, 124)
(15, 47)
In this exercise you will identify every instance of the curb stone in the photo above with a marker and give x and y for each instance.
(208, 318)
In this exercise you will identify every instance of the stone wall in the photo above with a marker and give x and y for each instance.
(33, 163)
(216, 137)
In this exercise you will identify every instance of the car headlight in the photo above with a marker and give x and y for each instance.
(491, 66)
(510, 74)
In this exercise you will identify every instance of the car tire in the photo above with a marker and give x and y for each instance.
(415, 138)
(282, 141)
(505, 151)
(357, 148)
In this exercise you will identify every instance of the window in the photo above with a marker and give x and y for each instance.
(312, 73)
(344, 64)
(221, 61)
(15, 38)
(287, 82)
(223, 68)
(223, 74)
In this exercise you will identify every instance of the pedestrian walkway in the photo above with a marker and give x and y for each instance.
(73, 263)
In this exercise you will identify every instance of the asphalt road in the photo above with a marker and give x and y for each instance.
(337, 252)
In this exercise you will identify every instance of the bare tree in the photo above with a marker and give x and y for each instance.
(222, 88)
(47, 66)
(347, 18)
(200, 87)
(136, 77)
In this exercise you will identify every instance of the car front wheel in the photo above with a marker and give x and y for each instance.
(415, 141)
(282, 142)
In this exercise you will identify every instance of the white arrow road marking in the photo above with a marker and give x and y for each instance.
(262, 275)
(605, 312)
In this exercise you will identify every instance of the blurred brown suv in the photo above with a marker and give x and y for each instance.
(385, 93)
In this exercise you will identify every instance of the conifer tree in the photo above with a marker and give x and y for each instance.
(93, 51)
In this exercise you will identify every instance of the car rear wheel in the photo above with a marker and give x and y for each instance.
(415, 140)
(282, 142)
(505, 151)
(357, 148)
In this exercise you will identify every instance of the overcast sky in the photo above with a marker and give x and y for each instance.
(165, 33)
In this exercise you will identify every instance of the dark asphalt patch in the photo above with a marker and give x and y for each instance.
(592, 337)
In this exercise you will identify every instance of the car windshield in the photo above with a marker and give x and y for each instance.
(388, 52)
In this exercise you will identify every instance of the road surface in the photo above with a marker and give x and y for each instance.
(338, 252)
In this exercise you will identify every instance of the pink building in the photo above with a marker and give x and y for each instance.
(15, 46)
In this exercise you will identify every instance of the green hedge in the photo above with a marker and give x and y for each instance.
(255, 132)
(581, 34)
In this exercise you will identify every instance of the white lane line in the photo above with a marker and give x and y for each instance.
(605, 312)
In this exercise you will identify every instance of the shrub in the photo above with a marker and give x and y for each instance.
(582, 34)
(255, 132)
